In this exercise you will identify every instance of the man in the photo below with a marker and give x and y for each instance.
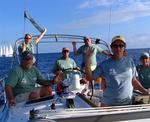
(21, 81)
(65, 64)
(144, 70)
(83, 49)
(62, 68)
(118, 74)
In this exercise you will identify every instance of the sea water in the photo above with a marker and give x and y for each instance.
(47, 60)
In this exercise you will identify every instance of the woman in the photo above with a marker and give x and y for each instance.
(28, 44)
(119, 74)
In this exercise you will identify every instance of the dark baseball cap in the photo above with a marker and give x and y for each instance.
(27, 55)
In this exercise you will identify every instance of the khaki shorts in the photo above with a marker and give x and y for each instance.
(25, 96)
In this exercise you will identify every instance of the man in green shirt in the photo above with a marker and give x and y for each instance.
(64, 64)
(62, 68)
(83, 49)
(144, 70)
(23, 78)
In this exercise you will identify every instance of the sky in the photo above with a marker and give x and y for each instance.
(96, 18)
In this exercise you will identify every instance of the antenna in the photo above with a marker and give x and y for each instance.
(109, 26)
(24, 20)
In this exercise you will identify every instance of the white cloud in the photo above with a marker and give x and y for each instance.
(122, 11)
(94, 3)
(119, 3)
(138, 40)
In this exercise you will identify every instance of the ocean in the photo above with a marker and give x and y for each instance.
(46, 60)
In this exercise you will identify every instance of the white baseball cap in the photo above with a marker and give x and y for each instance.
(144, 55)
(118, 37)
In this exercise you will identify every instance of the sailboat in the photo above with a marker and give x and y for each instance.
(10, 51)
(1, 51)
(6, 51)
(73, 105)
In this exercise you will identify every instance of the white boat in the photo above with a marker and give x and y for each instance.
(74, 106)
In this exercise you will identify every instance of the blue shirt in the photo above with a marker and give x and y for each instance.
(118, 75)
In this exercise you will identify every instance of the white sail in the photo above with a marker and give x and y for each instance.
(1, 51)
(6, 51)
(10, 51)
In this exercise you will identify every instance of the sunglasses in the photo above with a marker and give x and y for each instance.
(118, 45)
(27, 59)
(28, 38)
(65, 51)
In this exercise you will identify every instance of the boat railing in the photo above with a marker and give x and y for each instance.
(59, 38)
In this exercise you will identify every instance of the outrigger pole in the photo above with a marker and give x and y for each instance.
(26, 15)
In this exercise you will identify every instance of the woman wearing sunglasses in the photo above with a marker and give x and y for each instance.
(118, 73)
(28, 44)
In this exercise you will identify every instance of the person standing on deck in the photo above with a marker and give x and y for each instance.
(119, 74)
(83, 49)
(21, 81)
(28, 44)
(144, 70)
(65, 64)
(62, 68)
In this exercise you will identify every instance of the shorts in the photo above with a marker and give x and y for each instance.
(25, 96)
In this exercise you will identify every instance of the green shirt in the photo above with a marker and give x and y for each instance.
(30, 47)
(82, 50)
(65, 65)
(144, 75)
(23, 81)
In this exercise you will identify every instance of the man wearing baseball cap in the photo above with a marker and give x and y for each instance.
(83, 49)
(63, 67)
(118, 73)
(64, 64)
(144, 70)
(21, 81)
